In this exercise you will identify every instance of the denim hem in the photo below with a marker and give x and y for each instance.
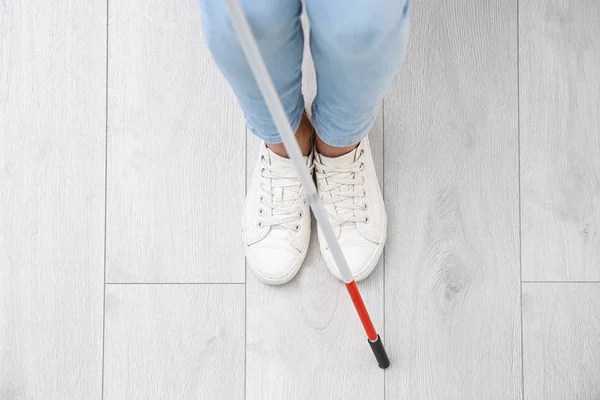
(275, 137)
(355, 138)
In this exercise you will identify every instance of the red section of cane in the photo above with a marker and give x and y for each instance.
(374, 339)
(363, 314)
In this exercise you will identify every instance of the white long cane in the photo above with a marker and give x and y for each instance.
(265, 84)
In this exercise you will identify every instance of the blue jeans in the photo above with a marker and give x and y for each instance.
(357, 46)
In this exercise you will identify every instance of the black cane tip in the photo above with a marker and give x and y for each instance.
(379, 352)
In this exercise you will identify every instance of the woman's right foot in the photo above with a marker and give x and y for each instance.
(276, 220)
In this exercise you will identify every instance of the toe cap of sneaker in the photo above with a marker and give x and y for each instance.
(361, 260)
(273, 265)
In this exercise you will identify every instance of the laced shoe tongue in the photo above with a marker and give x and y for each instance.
(341, 161)
(284, 195)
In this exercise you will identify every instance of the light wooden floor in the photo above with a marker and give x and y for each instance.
(116, 130)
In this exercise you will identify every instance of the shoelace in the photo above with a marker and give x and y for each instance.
(281, 201)
(333, 179)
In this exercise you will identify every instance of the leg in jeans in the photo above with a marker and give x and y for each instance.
(357, 47)
(276, 220)
(276, 25)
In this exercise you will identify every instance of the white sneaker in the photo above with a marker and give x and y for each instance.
(353, 201)
(276, 220)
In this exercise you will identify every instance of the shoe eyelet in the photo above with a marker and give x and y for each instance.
(300, 214)
(362, 151)
(304, 201)
(261, 198)
(362, 166)
(364, 192)
(364, 206)
(259, 224)
(366, 219)
(261, 211)
(297, 228)
(261, 173)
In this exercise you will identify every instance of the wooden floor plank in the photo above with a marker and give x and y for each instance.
(561, 341)
(560, 139)
(175, 151)
(174, 342)
(52, 142)
(451, 190)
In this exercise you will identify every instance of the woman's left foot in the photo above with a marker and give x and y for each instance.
(352, 198)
